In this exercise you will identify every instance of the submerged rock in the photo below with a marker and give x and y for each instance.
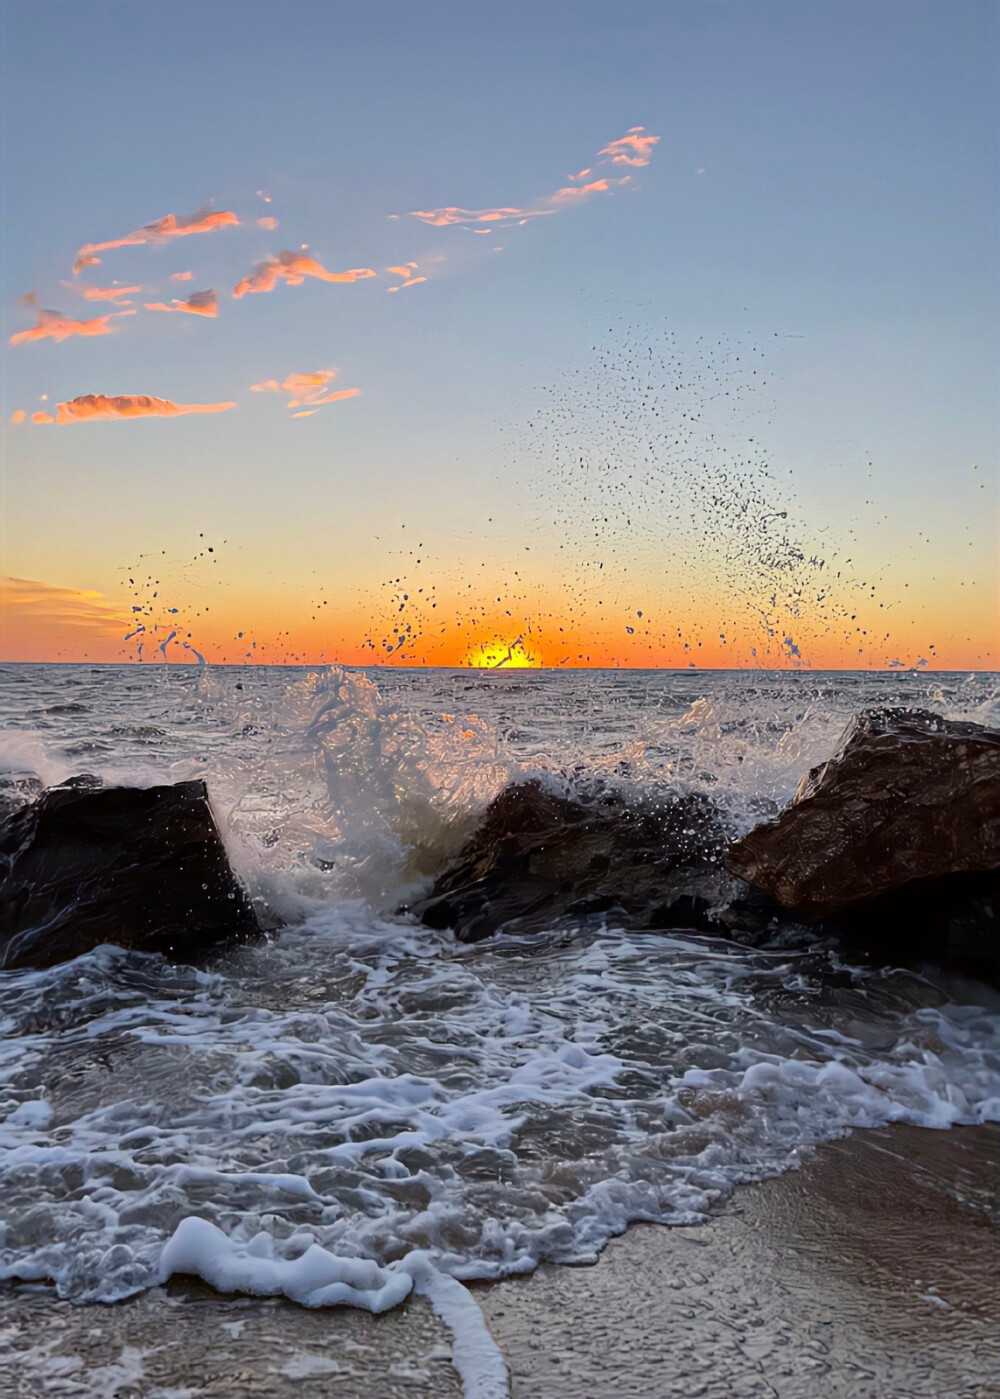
(144, 868)
(895, 839)
(538, 857)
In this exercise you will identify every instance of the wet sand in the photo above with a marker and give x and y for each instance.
(871, 1272)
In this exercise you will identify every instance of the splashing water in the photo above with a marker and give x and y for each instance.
(361, 1107)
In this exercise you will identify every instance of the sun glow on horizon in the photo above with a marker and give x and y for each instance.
(499, 654)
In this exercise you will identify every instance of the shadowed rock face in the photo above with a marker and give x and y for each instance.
(143, 868)
(538, 857)
(908, 797)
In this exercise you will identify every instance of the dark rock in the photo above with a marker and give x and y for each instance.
(539, 857)
(144, 868)
(908, 796)
(951, 920)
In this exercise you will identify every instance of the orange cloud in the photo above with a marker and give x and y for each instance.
(41, 417)
(39, 621)
(203, 220)
(640, 146)
(441, 218)
(59, 327)
(405, 270)
(181, 276)
(199, 303)
(571, 192)
(307, 390)
(293, 268)
(94, 406)
(267, 222)
(632, 149)
(115, 294)
(18, 416)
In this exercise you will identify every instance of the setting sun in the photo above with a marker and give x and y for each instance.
(502, 655)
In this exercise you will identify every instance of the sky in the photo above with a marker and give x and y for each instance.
(641, 334)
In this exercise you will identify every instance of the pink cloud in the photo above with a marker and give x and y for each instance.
(59, 327)
(181, 276)
(452, 214)
(115, 294)
(94, 406)
(570, 192)
(640, 146)
(405, 270)
(199, 303)
(307, 390)
(203, 220)
(631, 149)
(293, 268)
(267, 222)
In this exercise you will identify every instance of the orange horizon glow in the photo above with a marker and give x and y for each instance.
(40, 622)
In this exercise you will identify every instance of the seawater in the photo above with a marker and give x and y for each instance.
(361, 1106)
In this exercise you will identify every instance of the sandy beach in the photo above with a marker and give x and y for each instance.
(871, 1271)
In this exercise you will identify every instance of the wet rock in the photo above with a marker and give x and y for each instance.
(908, 796)
(896, 839)
(539, 857)
(144, 868)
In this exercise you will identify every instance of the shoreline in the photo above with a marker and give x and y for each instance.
(872, 1271)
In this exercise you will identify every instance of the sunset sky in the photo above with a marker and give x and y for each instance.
(648, 334)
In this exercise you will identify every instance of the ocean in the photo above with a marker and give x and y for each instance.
(361, 1107)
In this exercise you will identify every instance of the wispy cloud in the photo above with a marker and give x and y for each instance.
(632, 149)
(199, 303)
(307, 391)
(267, 222)
(407, 271)
(54, 325)
(181, 276)
(635, 148)
(293, 268)
(95, 406)
(39, 618)
(203, 220)
(115, 294)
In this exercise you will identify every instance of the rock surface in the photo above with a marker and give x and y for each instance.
(908, 797)
(144, 868)
(538, 857)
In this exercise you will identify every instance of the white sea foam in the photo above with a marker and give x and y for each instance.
(362, 1108)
